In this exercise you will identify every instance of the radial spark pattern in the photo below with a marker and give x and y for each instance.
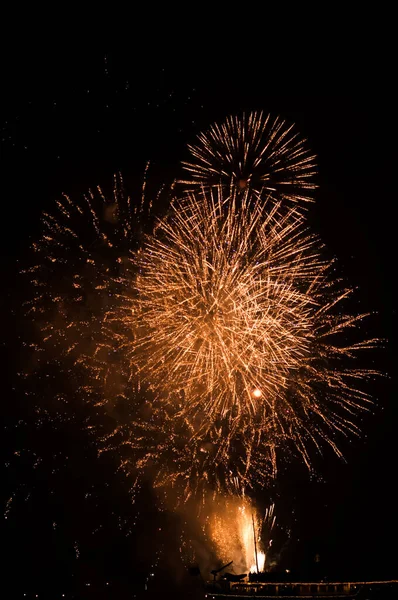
(232, 325)
(255, 151)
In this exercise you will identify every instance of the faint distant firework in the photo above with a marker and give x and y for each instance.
(78, 270)
(254, 151)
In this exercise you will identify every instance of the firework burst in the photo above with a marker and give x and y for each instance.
(79, 269)
(233, 326)
(256, 152)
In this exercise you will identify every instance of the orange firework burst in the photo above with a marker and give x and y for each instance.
(257, 152)
(231, 324)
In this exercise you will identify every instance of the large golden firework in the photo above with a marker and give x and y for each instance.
(234, 328)
(254, 151)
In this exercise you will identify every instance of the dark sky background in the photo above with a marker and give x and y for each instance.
(70, 119)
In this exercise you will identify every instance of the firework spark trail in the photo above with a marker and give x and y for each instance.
(254, 151)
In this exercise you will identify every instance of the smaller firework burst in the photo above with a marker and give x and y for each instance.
(255, 151)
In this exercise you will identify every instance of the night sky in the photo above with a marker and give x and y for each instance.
(69, 120)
